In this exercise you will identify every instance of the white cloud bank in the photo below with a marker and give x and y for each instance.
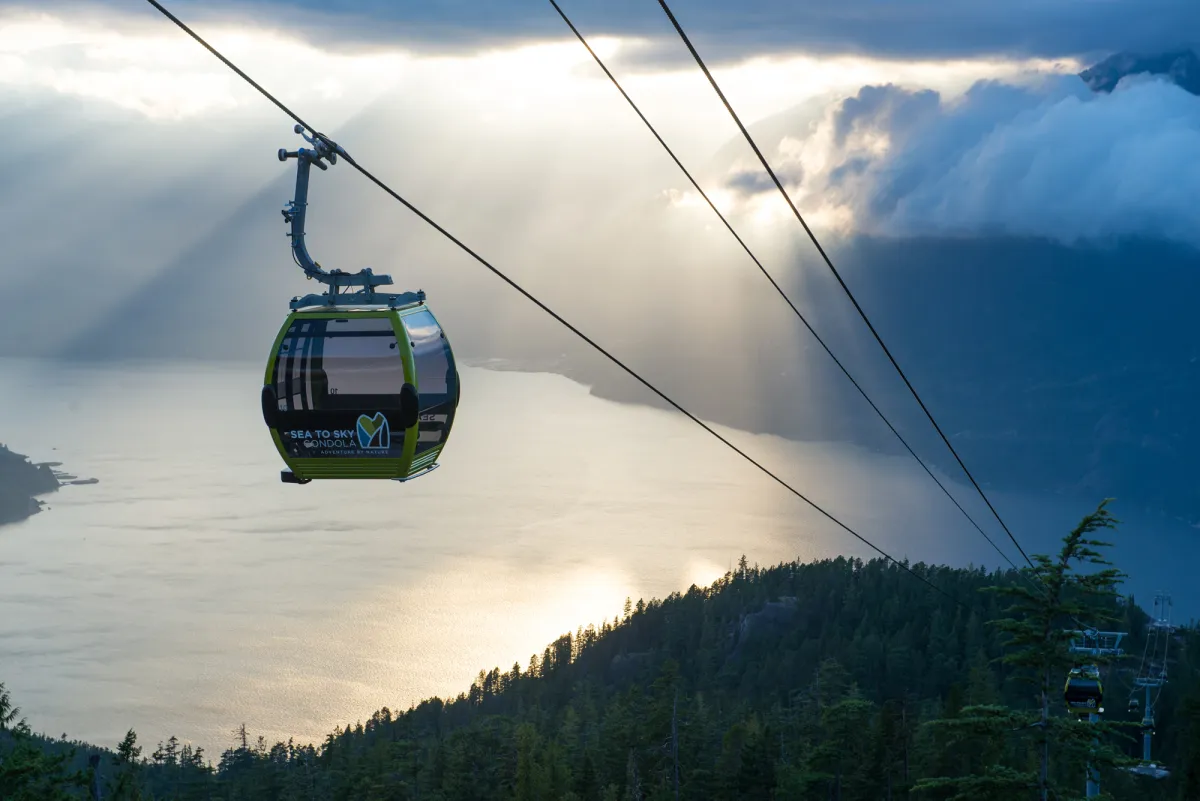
(1051, 160)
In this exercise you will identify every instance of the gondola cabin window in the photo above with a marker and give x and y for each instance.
(437, 378)
(339, 364)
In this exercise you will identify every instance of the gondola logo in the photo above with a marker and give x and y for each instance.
(373, 432)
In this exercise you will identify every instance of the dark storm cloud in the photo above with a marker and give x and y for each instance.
(724, 30)
(753, 182)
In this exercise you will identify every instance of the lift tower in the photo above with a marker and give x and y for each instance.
(1152, 675)
(1101, 646)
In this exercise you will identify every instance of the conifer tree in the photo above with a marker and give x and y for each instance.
(1077, 584)
(27, 772)
(126, 786)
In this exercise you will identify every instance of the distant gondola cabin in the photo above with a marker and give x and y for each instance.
(1083, 691)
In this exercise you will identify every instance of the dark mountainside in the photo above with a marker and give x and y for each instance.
(20, 481)
(1181, 66)
(1052, 369)
(837, 679)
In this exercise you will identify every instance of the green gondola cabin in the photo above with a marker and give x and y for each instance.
(360, 392)
(1083, 691)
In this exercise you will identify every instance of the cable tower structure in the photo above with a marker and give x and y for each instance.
(1152, 675)
(1093, 648)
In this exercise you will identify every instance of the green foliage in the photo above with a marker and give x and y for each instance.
(1189, 773)
(27, 772)
(8, 712)
(1059, 596)
(1040, 623)
(126, 783)
(994, 783)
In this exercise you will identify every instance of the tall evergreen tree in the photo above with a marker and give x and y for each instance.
(1077, 584)
(126, 784)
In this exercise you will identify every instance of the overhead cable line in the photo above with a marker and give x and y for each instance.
(837, 275)
(774, 283)
(552, 313)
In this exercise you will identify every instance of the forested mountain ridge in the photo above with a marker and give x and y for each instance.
(799, 681)
(20, 481)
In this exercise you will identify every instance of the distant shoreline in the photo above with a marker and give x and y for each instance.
(23, 481)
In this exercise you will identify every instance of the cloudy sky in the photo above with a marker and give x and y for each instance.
(909, 29)
(141, 188)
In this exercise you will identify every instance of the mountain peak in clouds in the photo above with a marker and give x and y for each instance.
(1181, 66)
